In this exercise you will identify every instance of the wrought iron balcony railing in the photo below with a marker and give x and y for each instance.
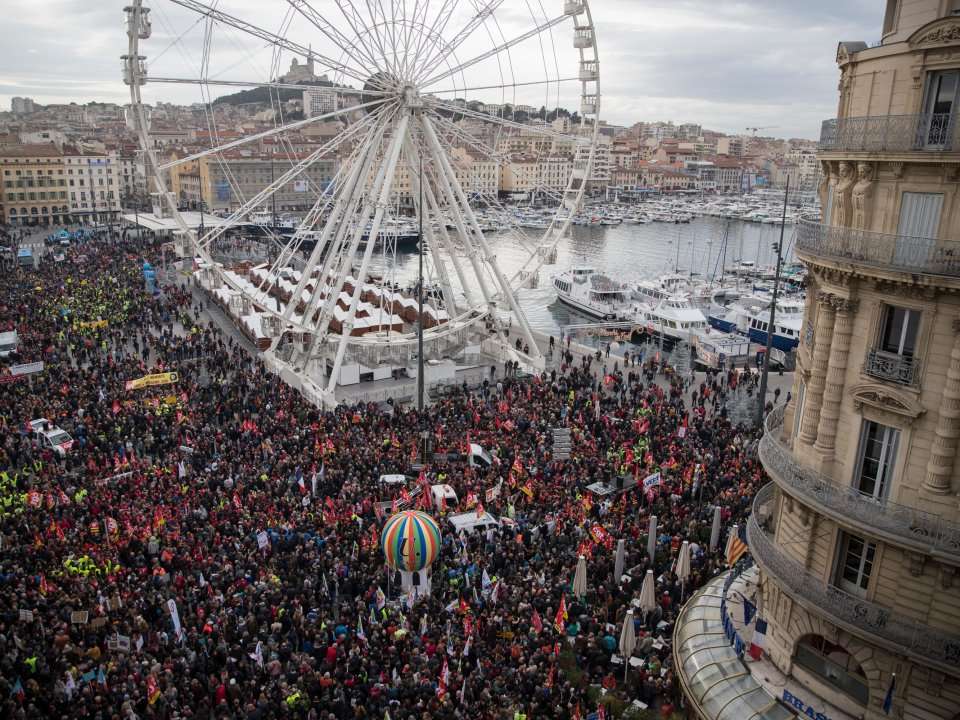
(894, 368)
(927, 132)
(898, 524)
(879, 624)
(888, 252)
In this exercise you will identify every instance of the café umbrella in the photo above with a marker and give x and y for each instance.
(619, 560)
(648, 600)
(652, 538)
(683, 566)
(715, 529)
(628, 641)
(580, 578)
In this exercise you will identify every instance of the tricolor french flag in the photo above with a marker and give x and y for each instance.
(759, 638)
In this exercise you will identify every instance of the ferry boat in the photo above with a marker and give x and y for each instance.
(750, 316)
(586, 290)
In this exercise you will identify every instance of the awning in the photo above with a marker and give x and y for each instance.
(151, 222)
(715, 680)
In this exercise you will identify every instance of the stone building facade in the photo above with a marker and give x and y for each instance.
(858, 537)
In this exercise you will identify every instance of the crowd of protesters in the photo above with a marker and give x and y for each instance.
(208, 547)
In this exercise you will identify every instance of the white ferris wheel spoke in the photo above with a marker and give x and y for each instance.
(322, 204)
(489, 256)
(348, 48)
(436, 29)
(533, 129)
(505, 86)
(337, 222)
(273, 187)
(430, 208)
(385, 180)
(251, 84)
(438, 59)
(216, 15)
(340, 224)
(269, 133)
(533, 32)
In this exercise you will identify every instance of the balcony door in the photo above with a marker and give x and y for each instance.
(855, 564)
(940, 109)
(878, 453)
(918, 227)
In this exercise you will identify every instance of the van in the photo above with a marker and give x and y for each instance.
(51, 437)
(394, 479)
(444, 496)
(8, 343)
(469, 522)
(479, 458)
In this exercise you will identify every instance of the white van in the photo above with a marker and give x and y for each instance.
(444, 494)
(469, 522)
(8, 343)
(51, 437)
(479, 457)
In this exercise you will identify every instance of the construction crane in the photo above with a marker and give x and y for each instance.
(768, 127)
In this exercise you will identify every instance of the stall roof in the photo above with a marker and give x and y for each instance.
(149, 221)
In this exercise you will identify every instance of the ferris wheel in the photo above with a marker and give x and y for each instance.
(470, 126)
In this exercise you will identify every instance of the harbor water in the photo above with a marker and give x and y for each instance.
(625, 253)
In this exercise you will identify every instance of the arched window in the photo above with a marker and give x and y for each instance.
(833, 665)
(13, 211)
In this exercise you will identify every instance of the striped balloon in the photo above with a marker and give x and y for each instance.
(410, 540)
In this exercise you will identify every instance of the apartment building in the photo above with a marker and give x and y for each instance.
(34, 190)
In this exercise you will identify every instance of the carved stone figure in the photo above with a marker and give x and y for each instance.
(842, 196)
(863, 196)
(824, 187)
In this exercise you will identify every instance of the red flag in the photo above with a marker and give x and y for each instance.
(236, 501)
(44, 588)
(536, 621)
(116, 407)
(153, 692)
(558, 621)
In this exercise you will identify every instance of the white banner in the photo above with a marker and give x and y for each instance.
(650, 480)
(262, 539)
(26, 368)
(175, 616)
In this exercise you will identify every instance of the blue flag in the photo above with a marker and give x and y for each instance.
(888, 699)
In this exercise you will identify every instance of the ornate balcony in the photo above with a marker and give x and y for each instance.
(927, 132)
(893, 368)
(885, 252)
(900, 525)
(880, 625)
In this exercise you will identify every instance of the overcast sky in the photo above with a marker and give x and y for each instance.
(728, 65)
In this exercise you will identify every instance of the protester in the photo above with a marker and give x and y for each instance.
(208, 547)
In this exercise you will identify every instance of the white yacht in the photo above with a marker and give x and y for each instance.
(590, 292)
(671, 314)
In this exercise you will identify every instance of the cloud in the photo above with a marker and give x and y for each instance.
(725, 65)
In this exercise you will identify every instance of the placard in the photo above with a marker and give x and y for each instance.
(97, 623)
(263, 540)
(119, 643)
(26, 616)
(79, 617)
